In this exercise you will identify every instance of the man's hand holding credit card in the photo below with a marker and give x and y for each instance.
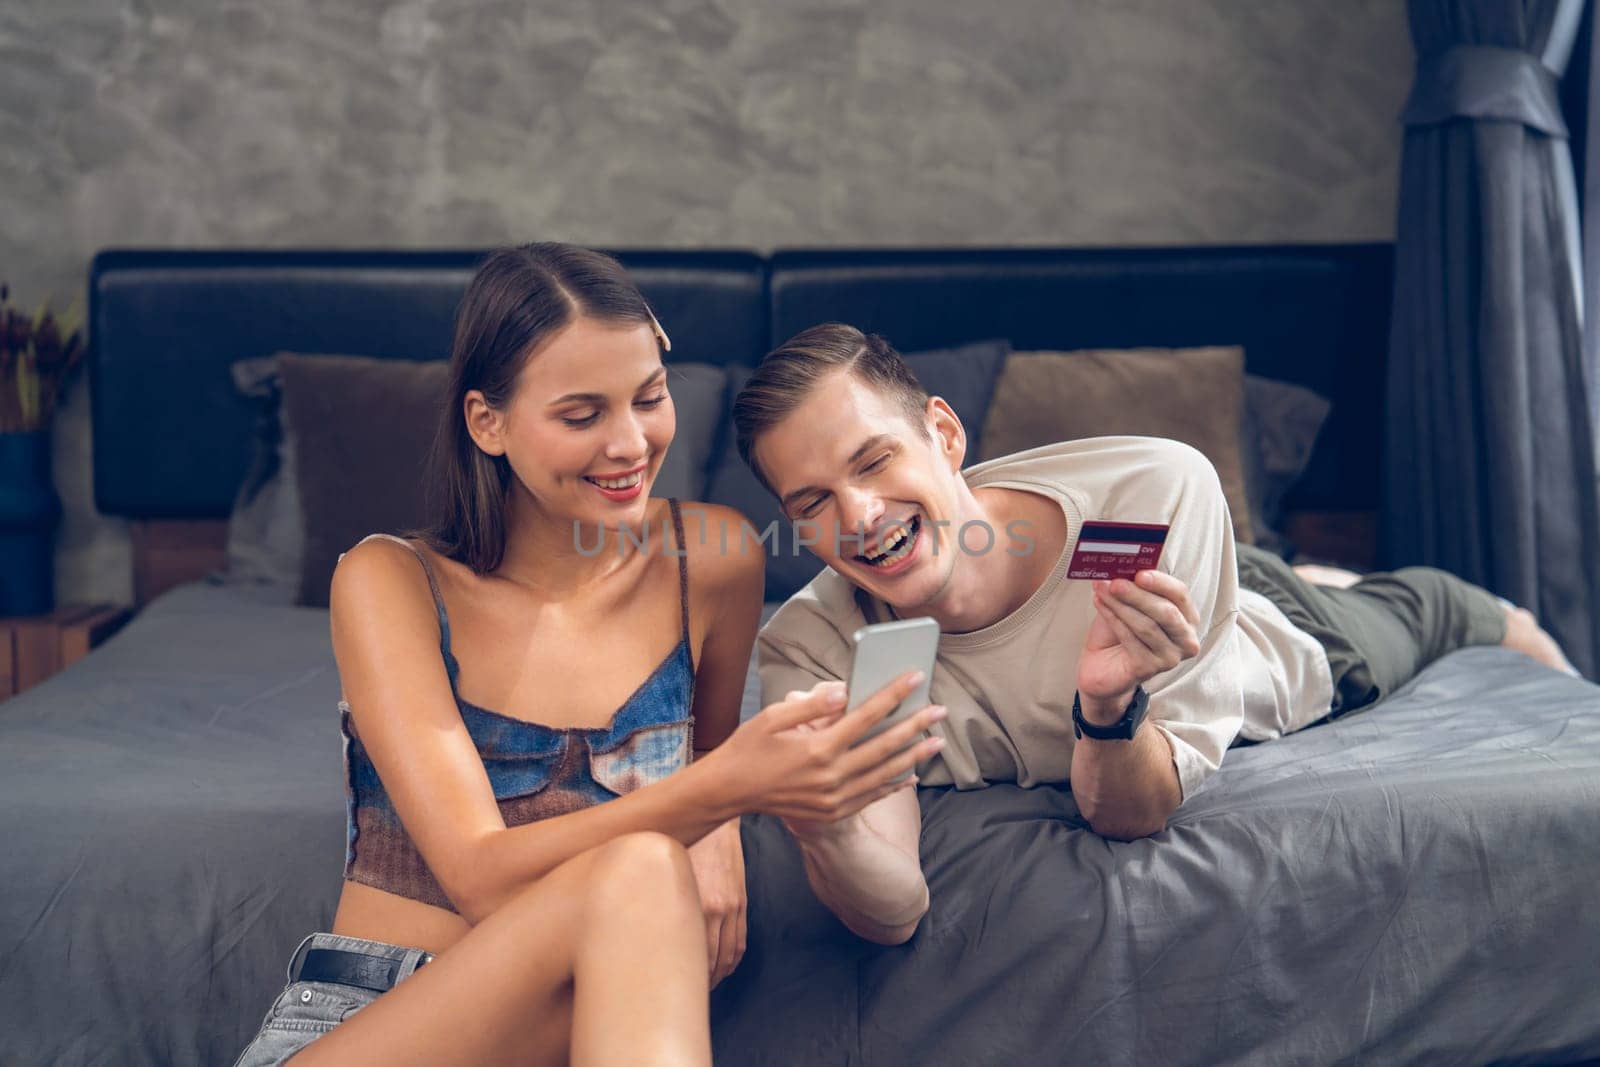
(1135, 634)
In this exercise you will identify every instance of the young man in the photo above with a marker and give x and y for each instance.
(1130, 690)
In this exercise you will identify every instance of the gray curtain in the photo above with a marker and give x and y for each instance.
(1490, 446)
(1581, 102)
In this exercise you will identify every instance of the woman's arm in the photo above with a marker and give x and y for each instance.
(725, 587)
(386, 641)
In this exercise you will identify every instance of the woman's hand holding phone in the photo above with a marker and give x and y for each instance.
(803, 758)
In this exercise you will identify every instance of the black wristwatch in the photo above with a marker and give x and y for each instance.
(1121, 730)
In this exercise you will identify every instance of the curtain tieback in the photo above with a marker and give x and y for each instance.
(1482, 82)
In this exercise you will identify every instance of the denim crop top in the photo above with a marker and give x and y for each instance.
(535, 771)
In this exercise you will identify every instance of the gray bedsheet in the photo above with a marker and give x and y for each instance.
(1416, 883)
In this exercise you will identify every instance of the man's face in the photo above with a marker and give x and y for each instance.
(875, 492)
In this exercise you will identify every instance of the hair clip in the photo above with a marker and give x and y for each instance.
(661, 335)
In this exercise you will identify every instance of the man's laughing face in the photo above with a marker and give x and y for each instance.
(874, 491)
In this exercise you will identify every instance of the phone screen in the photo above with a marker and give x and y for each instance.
(883, 652)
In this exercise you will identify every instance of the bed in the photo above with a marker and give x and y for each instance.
(1414, 883)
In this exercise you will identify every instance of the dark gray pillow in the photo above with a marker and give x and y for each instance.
(699, 396)
(965, 377)
(789, 566)
(362, 430)
(1279, 431)
(266, 531)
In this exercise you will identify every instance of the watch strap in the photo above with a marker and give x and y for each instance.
(1121, 730)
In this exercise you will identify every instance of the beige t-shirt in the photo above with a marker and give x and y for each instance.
(1009, 686)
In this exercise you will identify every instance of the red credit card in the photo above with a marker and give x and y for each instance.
(1108, 550)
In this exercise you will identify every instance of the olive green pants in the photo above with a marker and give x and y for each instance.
(1384, 629)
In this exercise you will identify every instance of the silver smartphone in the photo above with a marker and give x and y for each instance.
(883, 652)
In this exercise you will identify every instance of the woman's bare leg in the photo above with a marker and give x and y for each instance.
(642, 981)
(601, 961)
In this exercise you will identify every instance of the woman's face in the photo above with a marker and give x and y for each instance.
(588, 423)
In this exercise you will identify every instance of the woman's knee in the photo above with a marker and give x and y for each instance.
(644, 862)
(640, 871)
(641, 867)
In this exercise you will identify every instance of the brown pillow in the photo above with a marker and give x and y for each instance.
(363, 428)
(1193, 395)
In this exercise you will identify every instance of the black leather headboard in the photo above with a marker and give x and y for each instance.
(171, 436)
(1315, 315)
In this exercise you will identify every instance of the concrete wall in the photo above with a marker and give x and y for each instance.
(732, 122)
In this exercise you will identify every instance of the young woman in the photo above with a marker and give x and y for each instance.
(530, 839)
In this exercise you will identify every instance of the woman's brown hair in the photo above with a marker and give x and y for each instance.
(518, 299)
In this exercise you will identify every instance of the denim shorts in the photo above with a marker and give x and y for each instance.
(304, 1011)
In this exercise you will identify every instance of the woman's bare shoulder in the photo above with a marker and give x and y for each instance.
(381, 573)
(724, 555)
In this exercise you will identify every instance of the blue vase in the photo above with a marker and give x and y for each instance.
(29, 512)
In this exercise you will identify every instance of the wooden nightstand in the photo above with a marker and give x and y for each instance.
(33, 648)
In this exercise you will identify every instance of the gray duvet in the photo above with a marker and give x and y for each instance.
(1416, 883)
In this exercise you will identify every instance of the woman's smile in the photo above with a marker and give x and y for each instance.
(622, 486)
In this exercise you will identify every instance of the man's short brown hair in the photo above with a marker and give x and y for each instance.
(792, 370)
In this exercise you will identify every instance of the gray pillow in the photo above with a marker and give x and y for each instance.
(265, 537)
(266, 531)
(1280, 428)
(964, 376)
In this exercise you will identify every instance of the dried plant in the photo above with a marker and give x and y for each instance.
(38, 356)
